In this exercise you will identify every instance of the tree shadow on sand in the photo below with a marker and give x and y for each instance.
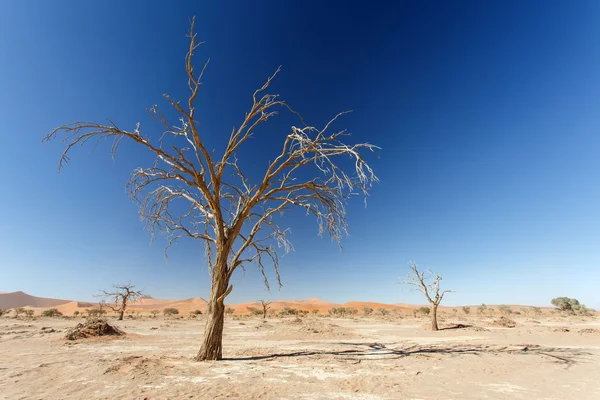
(360, 352)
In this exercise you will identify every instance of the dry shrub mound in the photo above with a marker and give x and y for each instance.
(315, 328)
(589, 331)
(93, 328)
(264, 325)
(295, 321)
(504, 322)
(563, 329)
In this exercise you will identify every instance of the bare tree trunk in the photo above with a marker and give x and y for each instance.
(212, 344)
(121, 313)
(434, 324)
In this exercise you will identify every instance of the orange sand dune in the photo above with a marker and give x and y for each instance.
(360, 304)
(68, 307)
(20, 299)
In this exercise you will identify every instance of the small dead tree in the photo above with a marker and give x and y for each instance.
(234, 217)
(265, 307)
(428, 283)
(120, 297)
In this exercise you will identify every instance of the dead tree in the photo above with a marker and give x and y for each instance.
(265, 307)
(118, 298)
(428, 283)
(234, 217)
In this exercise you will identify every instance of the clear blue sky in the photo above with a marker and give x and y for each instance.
(488, 115)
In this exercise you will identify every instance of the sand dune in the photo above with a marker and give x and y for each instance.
(21, 299)
(68, 307)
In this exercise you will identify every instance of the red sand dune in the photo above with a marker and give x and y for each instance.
(68, 307)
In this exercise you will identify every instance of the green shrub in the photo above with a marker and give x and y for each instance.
(424, 310)
(570, 306)
(52, 312)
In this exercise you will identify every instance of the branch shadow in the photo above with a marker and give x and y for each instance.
(373, 351)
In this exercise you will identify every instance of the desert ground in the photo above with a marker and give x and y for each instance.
(368, 358)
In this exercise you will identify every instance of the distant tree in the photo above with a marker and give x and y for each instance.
(229, 310)
(314, 311)
(29, 313)
(154, 313)
(265, 307)
(196, 312)
(455, 310)
(120, 296)
(466, 310)
(235, 218)
(170, 311)
(536, 310)
(428, 283)
(75, 313)
(367, 311)
(52, 312)
(19, 311)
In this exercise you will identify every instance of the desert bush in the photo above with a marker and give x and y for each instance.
(256, 312)
(466, 310)
(196, 312)
(367, 311)
(570, 306)
(96, 312)
(170, 311)
(506, 310)
(29, 313)
(154, 313)
(229, 310)
(288, 311)
(19, 311)
(342, 311)
(75, 313)
(482, 309)
(52, 312)
(314, 311)
(424, 310)
(382, 311)
(2, 312)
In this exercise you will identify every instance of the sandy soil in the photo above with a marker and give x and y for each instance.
(315, 358)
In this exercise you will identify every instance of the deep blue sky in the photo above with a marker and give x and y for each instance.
(488, 115)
